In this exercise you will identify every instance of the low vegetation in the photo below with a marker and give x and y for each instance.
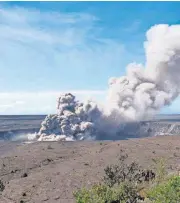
(129, 183)
(2, 187)
(168, 191)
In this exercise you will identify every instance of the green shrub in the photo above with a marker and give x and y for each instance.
(128, 183)
(120, 184)
(123, 193)
(121, 172)
(160, 169)
(167, 192)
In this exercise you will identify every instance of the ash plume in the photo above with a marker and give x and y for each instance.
(135, 97)
(145, 90)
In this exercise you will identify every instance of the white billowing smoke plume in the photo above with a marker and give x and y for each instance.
(135, 97)
(145, 90)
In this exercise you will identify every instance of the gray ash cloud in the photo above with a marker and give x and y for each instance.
(132, 98)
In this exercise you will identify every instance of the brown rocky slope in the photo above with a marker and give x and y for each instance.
(50, 171)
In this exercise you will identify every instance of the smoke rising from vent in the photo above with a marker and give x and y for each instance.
(145, 90)
(135, 97)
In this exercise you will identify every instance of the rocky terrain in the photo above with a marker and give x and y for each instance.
(51, 171)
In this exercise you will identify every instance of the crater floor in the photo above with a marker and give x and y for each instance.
(51, 171)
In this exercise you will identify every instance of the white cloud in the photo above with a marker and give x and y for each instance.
(133, 27)
(43, 51)
(39, 102)
(38, 52)
(32, 26)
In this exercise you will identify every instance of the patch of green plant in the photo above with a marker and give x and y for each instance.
(128, 183)
(120, 184)
(166, 192)
(121, 172)
(101, 193)
(160, 169)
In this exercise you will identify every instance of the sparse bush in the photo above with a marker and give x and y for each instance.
(123, 193)
(128, 183)
(121, 172)
(2, 187)
(167, 192)
(160, 168)
(49, 147)
(24, 175)
(120, 184)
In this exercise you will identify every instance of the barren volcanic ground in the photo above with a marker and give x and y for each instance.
(51, 171)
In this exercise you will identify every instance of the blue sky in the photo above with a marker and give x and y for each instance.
(51, 47)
